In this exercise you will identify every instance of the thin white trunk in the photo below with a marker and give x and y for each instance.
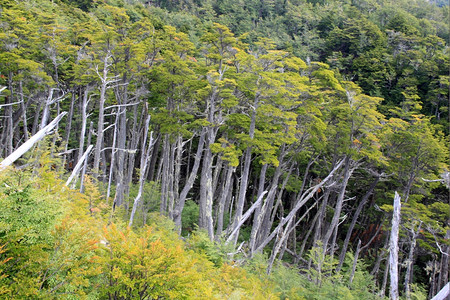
(393, 248)
(79, 164)
(245, 217)
(308, 194)
(144, 163)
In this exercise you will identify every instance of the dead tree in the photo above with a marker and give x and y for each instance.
(393, 248)
(28, 144)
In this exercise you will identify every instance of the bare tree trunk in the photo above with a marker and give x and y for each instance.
(170, 186)
(355, 261)
(177, 175)
(337, 211)
(217, 171)
(153, 161)
(245, 174)
(226, 194)
(35, 126)
(69, 125)
(189, 183)
(393, 248)
(306, 237)
(83, 172)
(308, 194)
(352, 225)
(145, 153)
(112, 166)
(443, 293)
(262, 222)
(7, 134)
(271, 212)
(46, 110)
(445, 260)
(165, 175)
(206, 192)
(121, 154)
(385, 278)
(24, 112)
(278, 245)
(83, 110)
(257, 218)
(133, 144)
(245, 217)
(105, 82)
(410, 260)
(433, 290)
(79, 165)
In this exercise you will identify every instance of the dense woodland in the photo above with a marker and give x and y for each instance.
(224, 149)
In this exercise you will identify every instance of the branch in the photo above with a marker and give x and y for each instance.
(308, 194)
(28, 144)
(79, 165)
(245, 217)
(121, 105)
(444, 180)
(9, 104)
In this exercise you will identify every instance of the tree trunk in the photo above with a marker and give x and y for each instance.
(337, 211)
(189, 184)
(165, 174)
(393, 248)
(443, 293)
(121, 154)
(79, 165)
(225, 195)
(145, 153)
(206, 192)
(352, 225)
(245, 174)
(245, 217)
(101, 115)
(355, 261)
(83, 172)
(410, 261)
(308, 194)
(24, 112)
(170, 186)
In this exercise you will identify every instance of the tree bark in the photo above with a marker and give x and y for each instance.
(337, 211)
(206, 192)
(189, 183)
(410, 260)
(145, 153)
(105, 82)
(225, 195)
(393, 248)
(245, 174)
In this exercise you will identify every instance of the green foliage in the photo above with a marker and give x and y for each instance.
(199, 242)
(69, 249)
(289, 82)
(189, 217)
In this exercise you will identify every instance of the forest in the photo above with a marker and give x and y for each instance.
(224, 149)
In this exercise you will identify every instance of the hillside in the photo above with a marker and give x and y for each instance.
(270, 135)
